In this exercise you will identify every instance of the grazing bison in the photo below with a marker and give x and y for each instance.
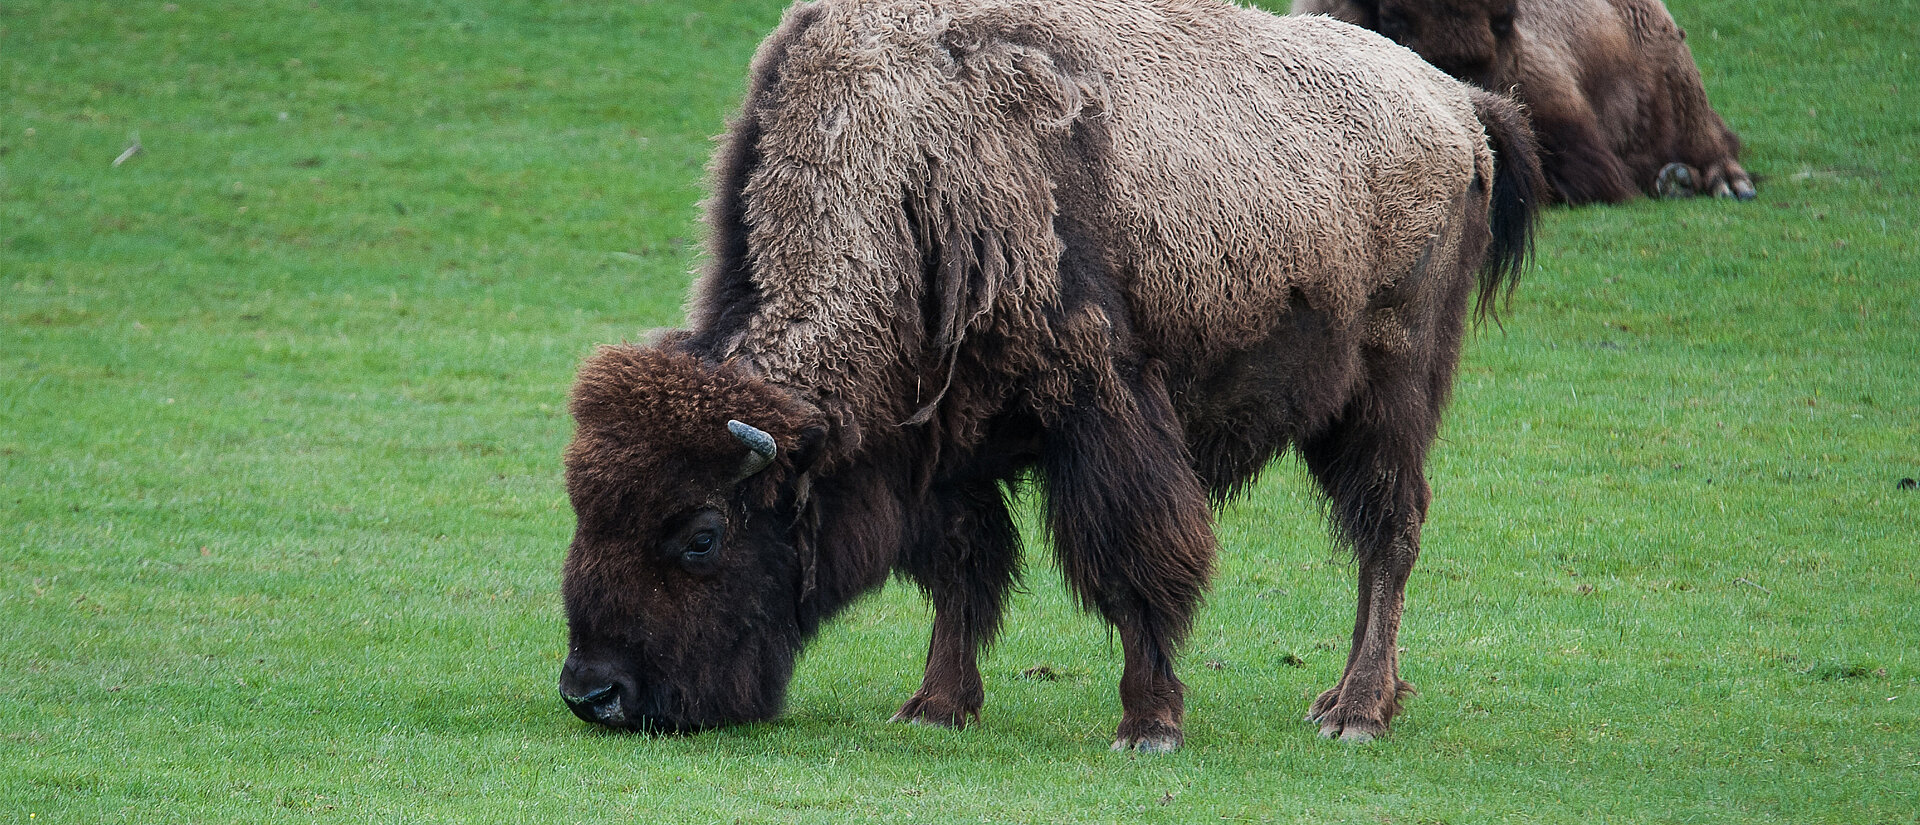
(1132, 249)
(1610, 86)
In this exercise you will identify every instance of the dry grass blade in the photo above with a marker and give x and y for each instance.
(131, 150)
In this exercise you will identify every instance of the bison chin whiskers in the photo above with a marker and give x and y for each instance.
(751, 686)
(752, 689)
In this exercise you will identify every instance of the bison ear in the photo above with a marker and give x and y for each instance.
(811, 441)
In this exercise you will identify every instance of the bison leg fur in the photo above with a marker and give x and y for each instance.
(1134, 539)
(1378, 497)
(951, 693)
(966, 561)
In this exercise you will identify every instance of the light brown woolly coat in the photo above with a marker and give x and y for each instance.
(1247, 160)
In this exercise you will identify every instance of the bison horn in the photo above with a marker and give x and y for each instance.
(760, 446)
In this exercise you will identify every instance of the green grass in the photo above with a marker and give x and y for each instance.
(281, 405)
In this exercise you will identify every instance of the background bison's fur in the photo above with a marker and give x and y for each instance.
(1610, 85)
(1135, 249)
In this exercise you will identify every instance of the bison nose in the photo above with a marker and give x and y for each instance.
(596, 692)
(600, 705)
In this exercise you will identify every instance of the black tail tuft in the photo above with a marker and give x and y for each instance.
(1519, 190)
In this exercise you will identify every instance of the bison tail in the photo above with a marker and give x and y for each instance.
(1519, 190)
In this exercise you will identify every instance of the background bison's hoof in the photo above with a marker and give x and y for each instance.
(1676, 180)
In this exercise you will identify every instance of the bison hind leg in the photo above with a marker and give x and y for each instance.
(1371, 472)
(1370, 465)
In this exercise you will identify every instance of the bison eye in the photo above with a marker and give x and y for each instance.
(701, 544)
(697, 543)
(1502, 24)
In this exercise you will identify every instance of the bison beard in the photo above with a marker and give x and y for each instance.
(1129, 250)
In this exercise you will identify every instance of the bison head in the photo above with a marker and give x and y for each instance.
(1469, 39)
(682, 585)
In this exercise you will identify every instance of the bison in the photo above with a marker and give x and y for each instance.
(1128, 250)
(1611, 88)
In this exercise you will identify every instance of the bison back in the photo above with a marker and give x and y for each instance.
(901, 172)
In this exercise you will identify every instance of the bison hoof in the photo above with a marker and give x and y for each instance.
(1353, 733)
(1354, 722)
(1148, 737)
(1352, 729)
(1676, 180)
(1148, 744)
(1743, 190)
(926, 710)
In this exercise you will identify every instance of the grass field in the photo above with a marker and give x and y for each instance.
(282, 400)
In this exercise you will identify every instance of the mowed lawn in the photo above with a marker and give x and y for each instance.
(282, 397)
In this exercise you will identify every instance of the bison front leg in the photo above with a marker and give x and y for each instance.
(1378, 495)
(1134, 538)
(951, 693)
(966, 560)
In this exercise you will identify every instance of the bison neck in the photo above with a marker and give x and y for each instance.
(907, 507)
(853, 529)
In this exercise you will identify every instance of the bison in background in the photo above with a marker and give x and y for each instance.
(1610, 86)
(1132, 249)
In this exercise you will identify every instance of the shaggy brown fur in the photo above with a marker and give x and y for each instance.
(1613, 91)
(1134, 249)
